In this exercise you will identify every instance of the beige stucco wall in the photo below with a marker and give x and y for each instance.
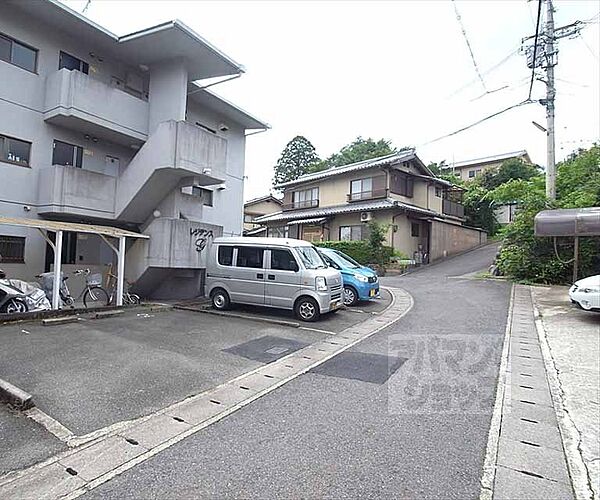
(448, 239)
(260, 208)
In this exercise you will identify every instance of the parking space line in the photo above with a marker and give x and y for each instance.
(308, 328)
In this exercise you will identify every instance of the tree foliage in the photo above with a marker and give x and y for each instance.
(514, 168)
(295, 160)
(529, 258)
(358, 150)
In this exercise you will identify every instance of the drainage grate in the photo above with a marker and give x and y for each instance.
(366, 367)
(73, 472)
(132, 441)
(266, 349)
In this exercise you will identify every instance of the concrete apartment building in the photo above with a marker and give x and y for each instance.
(258, 207)
(424, 213)
(105, 129)
(469, 169)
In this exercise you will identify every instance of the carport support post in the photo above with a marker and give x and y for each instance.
(120, 270)
(575, 258)
(57, 265)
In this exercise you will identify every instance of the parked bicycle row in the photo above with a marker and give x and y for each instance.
(19, 296)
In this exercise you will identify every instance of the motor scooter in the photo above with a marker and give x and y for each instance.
(12, 300)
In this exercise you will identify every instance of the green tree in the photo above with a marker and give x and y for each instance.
(358, 150)
(480, 209)
(514, 168)
(295, 160)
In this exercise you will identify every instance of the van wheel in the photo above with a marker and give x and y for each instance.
(220, 299)
(350, 296)
(307, 309)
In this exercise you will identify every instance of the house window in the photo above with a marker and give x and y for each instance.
(471, 174)
(72, 63)
(12, 249)
(351, 233)
(306, 198)
(225, 255)
(277, 232)
(414, 229)
(250, 257)
(67, 154)
(402, 184)
(438, 191)
(361, 188)
(17, 53)
(14, 151)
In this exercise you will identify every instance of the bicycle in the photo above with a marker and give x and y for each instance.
(93, 294)
(129, 299)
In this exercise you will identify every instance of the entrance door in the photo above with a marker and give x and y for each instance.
(283, 278)
(248, 277)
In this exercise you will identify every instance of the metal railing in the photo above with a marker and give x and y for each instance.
(367, 195)
(452, 208)
(301, 204)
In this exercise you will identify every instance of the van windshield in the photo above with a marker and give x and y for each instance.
(310, 258)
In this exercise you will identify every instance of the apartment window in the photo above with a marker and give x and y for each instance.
(247, 219)
(207, 197)
(225, 255)
(17, 53)
(283, 260)
(402, 184)
(12, 249)
(250, 257)
(415, 227)
(72, 63)
(67, 154)
(471, 174)
(351, 233)
(14, 151)
(306, 198)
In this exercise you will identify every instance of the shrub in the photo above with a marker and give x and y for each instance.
(361, 251)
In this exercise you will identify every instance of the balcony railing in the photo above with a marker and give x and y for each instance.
(297, 205)
(452, 208)
(367, 195)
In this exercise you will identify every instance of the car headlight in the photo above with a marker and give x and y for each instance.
(361, 277)
(321, 284)
(590, 290)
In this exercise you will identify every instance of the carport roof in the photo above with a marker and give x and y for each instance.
(53, 225)
(568, 222)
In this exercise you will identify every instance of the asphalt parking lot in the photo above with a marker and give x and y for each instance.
(95, 373)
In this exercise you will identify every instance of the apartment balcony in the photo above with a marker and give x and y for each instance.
(298, 205)
(453, 208)
(374, 194)
(76, 191)
(77, 101)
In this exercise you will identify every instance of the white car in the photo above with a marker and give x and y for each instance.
(586, 293)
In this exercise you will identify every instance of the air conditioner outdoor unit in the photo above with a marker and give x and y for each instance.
(366, 216)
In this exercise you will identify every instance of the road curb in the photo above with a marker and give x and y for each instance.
(14, 396)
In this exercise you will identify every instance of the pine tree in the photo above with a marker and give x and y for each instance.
(295, 160)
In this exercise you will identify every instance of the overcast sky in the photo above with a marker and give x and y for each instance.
(332, 71)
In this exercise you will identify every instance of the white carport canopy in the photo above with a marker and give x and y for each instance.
(105, 232)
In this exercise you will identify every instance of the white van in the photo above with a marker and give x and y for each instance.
(275, 272)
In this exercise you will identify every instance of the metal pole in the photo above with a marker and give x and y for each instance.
(575, 258)
(120, 270)
(550, 94)
(57, 265)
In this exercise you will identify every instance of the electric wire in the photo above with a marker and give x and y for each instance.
(535, 47)
(464, 32)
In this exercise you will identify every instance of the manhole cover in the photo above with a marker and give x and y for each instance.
(266, 349)
(366, 367)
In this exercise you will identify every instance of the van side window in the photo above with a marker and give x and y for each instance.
(283, 260)
(250, 257)
(225, 255)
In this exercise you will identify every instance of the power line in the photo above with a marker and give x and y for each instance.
(535, 47)
(464, 32)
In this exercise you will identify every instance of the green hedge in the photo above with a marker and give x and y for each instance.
(360, 251)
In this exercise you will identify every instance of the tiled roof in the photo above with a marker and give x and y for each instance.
(342, 209)
(405, 155)
(263, 198)
(486, 159)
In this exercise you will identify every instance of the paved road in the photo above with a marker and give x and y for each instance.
(350, 428)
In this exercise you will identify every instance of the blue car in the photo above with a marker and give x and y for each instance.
(360, 282)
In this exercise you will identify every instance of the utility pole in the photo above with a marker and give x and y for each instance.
(546, 57)
(550, 95)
